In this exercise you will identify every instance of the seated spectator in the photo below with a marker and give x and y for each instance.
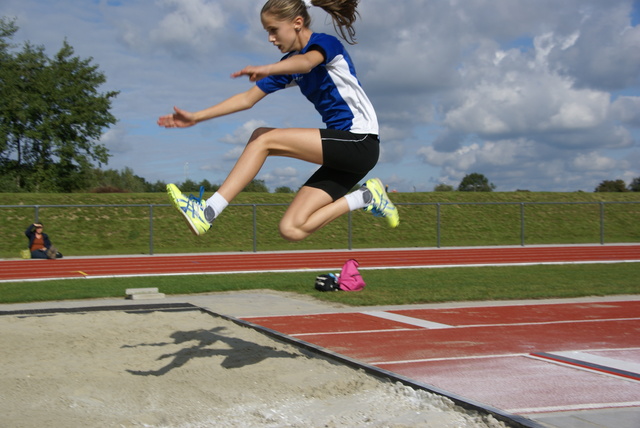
(39, 243)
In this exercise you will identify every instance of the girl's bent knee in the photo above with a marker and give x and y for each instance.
(259, 132)
(293, 234)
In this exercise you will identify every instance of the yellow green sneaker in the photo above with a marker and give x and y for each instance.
(381, 205)
(191, 207)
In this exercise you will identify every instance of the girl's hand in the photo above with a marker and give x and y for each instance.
(179, 119)
(255, 73)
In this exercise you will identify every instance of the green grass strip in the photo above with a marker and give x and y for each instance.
(384, 287)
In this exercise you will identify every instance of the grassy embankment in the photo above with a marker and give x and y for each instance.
(125, 230)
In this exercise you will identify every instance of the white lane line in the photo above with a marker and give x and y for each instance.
(515, 324)
(407, 320)
(489, 356)
(599, 360)
(585, 361)
(388, 316)
(332, 333)
(586, 406)
(430, 325)
(440, 359)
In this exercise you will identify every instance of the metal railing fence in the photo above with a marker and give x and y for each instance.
(522, 214)
(522, 206)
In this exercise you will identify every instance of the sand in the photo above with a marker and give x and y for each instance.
(190, 369)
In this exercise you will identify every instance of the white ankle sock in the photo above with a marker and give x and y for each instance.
(218, 203)
(357, 199)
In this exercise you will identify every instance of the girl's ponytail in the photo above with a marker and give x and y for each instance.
(343, 13)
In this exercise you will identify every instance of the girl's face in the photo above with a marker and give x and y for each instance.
(283, 34)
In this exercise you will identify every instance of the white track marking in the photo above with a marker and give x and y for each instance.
(589, 406)
(407, 320)
(626, 366)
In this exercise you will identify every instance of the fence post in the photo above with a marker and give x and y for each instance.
(438, 224)
(255, 228)
(522, 224)
(151, 229)
(37, 214)
(601, 223)
(350, 232)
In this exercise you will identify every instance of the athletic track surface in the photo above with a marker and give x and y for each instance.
(539, 363)
(96, 267)
(533, 360)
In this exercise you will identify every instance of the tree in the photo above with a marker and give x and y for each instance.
(112, 181)
(7, 29)
(257, 186)
(51, 116)
(190, 186)
(157, 187)
(612, 186)
(475, 182)
(634, 186)
(443, 188)
(208, 186)
(284, 189)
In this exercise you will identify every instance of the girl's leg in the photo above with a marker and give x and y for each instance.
(298, 143)
(310, 210)
(312, 207)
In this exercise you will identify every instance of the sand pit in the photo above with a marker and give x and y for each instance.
(190, 369)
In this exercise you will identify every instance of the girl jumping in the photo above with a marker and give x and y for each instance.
(346, 150)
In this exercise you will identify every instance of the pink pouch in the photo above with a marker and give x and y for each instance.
(350, 279)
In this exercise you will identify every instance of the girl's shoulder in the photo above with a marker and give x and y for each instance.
(317, 38)
(331, 45)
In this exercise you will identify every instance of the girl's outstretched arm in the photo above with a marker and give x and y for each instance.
(297, 64)
(242, 101)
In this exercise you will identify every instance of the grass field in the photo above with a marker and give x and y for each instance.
(83, 229)
(117, 229)
(384, 287)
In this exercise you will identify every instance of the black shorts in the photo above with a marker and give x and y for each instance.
(347, 158)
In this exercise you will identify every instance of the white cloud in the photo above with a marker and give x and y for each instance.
(518, 93)
(279, 177)
(242, 134)
(233, 154)
(115, 140)
(593, 161)
(538, 94)
(627, 110)
(190, 24)
(488, 155)
(602, 56)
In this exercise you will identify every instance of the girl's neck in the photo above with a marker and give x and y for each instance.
(303, 37)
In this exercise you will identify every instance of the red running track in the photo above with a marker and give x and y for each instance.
(524, 359)
(19, 270)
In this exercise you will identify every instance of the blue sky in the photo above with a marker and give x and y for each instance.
(541, 95)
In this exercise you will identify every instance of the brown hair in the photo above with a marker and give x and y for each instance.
(343, 13)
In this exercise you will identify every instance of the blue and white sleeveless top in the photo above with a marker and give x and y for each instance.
(332, 87)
